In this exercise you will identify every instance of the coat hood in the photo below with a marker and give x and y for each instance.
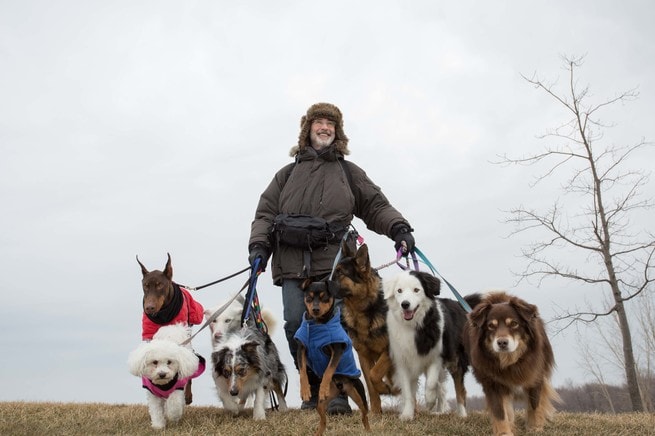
(321, 110)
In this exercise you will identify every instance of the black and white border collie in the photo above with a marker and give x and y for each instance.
(425, 337)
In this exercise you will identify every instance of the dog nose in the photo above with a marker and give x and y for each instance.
(502, 343)
(149, 309)
(405, 304)
(234, 392)
(161, 374)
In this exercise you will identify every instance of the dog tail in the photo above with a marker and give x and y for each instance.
(548, 397)
(269, 320)
(359, 387)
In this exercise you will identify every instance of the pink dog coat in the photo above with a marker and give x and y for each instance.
(164, 391)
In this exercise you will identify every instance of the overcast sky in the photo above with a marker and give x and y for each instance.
(147, 127)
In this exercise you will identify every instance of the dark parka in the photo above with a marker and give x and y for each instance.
(316, 184)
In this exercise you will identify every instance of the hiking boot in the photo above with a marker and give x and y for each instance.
(313, 399)
(339, 406)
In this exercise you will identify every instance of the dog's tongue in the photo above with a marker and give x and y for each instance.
(408, 314)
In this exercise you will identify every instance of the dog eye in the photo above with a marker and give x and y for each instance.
(399, 290)
(227, 321)
(226, 373)
(169, 362)
(491, 326)
(155, 362)
(513, 324)
(417, 290)
(241, 372)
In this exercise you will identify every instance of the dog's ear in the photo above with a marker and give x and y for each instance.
(346, 251)
(137, 360)
(389, 287)
(144, 271)
(362, 259)
(431, 284)
(250, 348)
(218, 359)
(305, 284)
(478, 316)
(188, 362)
(168, 269)
(526, 311)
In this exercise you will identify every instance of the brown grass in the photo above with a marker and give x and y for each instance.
(18, 418)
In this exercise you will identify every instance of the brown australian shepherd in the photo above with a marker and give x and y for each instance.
(510, 353)
(365, 317)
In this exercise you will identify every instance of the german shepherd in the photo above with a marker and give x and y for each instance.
(324, 346)
(365, 317)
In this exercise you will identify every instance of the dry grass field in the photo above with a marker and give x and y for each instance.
(18, 418)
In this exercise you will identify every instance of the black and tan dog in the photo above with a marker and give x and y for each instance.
(166, 303)
(365, 316)
(324, 347)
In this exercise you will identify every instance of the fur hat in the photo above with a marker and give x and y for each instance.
(321, 110)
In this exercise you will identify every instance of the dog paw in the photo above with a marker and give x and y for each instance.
(258, 415)
(406, 416)
(158, 425)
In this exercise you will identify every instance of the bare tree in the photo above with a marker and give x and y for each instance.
(596, 223)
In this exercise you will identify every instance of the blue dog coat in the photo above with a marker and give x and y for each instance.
(315, 336)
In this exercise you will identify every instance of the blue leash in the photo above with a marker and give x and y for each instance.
(425, 260)
(251, 293)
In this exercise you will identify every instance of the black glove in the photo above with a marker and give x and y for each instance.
(258, 250)
(400, 233)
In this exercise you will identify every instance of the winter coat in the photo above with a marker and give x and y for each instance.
(191, 313)
(175, 385)
(317, 185)
(315, 336)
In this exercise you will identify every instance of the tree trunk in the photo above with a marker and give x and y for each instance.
(628, 355)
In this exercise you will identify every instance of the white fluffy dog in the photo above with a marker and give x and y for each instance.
(165, 367)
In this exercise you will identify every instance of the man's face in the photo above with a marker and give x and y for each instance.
(321, 133)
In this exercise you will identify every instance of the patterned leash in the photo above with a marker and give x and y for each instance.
(252, 307)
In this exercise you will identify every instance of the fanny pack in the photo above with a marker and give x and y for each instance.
(305, 231)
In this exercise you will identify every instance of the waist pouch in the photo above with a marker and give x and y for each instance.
(305, 231)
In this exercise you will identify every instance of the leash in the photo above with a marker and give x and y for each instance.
(215, 281)
(415, 252)
(251, 303)
(425, 260)
(216, 314)
(337, 258)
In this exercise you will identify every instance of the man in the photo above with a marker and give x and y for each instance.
(322, 185)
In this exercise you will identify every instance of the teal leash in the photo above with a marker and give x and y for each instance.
(425, 260)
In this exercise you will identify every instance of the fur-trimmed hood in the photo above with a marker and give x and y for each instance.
(321, 110)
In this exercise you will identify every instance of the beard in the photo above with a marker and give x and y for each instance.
(319, 142)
